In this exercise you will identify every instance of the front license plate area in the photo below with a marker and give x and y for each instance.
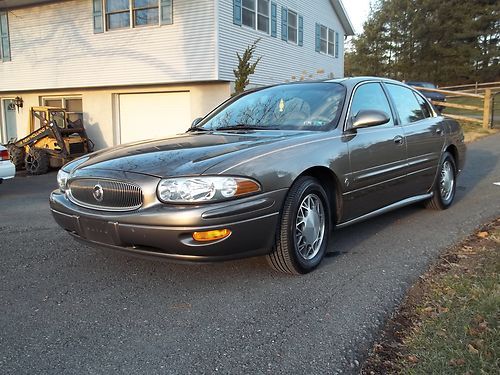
(98, 231)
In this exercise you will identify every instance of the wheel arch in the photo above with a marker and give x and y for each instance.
(453, 150)
(331, 184)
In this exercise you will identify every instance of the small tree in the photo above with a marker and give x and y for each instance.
(245, 68)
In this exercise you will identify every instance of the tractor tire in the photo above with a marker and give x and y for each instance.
(16, 155)
(36, 161)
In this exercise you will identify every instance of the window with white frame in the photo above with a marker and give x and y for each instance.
(131, 13)
(327, 41)
(292, 26)
(256, 14)
(72, 104)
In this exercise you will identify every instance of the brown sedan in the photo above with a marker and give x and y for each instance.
(270, 172)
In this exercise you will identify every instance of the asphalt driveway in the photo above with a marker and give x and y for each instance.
(68, 308)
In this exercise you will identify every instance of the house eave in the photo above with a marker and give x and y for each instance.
(343, 16)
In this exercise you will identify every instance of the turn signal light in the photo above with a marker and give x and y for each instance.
(4, 155)
(211, 235)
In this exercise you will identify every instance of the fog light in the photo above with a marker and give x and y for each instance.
(211, 235)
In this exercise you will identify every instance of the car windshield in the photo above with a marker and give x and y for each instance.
(423, 84)
(305, 106)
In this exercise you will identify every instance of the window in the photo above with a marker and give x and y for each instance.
(326, 40)
(134, 13)
(4, 37)
(255, 14)
(73, 106)
(407, 106)
(423, 105)
(292, 27)
(370, 96)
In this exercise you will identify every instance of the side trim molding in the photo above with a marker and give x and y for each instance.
(383, 210)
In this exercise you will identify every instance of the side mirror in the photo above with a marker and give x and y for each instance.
(195, 122)
(369, 117)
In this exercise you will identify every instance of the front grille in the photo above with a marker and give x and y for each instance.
(76, 148)
(105, 194)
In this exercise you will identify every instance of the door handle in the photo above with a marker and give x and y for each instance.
(439, 131)
(399, 140)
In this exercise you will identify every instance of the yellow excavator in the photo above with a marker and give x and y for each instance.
(53, 141)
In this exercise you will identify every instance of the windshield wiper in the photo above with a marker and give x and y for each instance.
(242, 127)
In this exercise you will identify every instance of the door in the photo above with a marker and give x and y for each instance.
(377, 156)
(9, 130)
(424, 137)
(153, 115)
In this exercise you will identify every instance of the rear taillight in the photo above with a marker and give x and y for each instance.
(4, 155)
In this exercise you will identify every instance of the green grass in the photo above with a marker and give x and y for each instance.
(458, 330)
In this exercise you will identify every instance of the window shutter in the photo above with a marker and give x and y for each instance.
(336, 44)
(237, 12)
(274, 19)
(301, 30)
(284, 23)
(98, 18)
(318, 39)
(166, 10)
(4, 37)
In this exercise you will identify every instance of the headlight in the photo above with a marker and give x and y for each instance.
(204, 189)
(62, 179)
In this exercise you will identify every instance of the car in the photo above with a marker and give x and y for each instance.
(7, 169)
(431, 95)
(269, 172)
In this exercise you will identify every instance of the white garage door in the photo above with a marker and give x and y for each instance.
(146, 116)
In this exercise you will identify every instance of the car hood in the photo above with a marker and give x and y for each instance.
(187, 154)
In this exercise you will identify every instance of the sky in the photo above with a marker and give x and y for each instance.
(358, 12)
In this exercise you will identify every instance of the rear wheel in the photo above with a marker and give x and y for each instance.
(302, 236)
(445, 184)
(16, 155)
(37, 161)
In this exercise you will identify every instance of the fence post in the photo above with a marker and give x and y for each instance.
(487, 120)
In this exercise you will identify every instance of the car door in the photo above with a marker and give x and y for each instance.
(424, 135)
(377, 155)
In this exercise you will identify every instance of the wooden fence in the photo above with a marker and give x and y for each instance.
(485, 109)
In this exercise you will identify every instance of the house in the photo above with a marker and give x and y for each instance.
(136, 69)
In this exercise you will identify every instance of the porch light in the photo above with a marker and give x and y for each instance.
(18, 102)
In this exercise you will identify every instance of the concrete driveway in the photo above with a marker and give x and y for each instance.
(68, 308)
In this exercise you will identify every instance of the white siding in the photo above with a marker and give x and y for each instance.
(54, 46)
(281, 61)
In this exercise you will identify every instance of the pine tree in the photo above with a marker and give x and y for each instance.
(245, 69)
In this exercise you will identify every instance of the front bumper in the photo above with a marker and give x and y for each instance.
(166, 230)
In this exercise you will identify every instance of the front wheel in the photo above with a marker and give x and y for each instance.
(445, 184)
(302, 236)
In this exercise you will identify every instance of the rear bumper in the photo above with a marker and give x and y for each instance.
(166, 231)
(7, 170)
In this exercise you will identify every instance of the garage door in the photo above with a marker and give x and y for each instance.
(146, 116)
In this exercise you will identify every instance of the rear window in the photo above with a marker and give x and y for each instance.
(406, 103)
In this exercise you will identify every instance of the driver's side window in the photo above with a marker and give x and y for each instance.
(371, 96)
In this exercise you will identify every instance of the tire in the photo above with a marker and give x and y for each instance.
(36, 161)
(445, 185)
(303, 231)
(16, 155)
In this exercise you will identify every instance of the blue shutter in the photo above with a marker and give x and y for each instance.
(301, 30)
(274, 19)
(166, 12)
(336, 44)
(98, 18)
(318, 37)
(284, 23)
(4, 37)
(237, 12)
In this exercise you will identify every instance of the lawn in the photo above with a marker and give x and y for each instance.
(448, 323)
